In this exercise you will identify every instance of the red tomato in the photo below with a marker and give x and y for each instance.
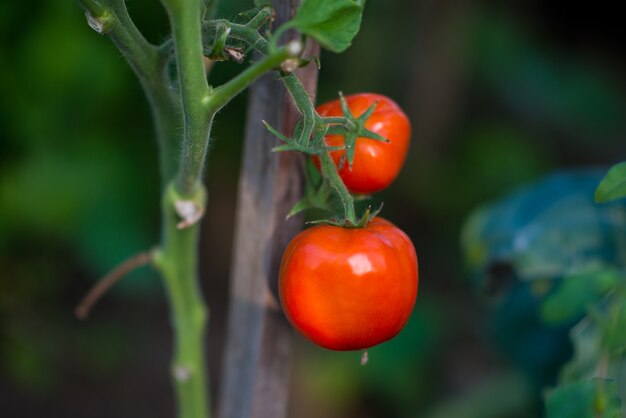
(376, 164)
(349, 288)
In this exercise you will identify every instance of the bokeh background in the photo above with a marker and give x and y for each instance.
(500, 93)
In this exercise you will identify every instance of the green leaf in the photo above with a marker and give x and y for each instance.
(614, 335)
(549, 229)
(591, 398)
(586, 339)
(333, 23)
(613, 185)
(576, 293)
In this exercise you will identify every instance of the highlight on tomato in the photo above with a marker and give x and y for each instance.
(349, 288)
(376, 164)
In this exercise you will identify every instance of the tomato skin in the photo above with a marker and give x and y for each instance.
(349, 288)
(376, 164)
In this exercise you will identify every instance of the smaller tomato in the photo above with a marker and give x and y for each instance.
(376, 164)
(349, 288)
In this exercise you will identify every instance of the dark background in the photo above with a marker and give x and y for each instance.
(499, 94)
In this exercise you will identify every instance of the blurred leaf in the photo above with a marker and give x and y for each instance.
(614, 340)
(613, 185)
(593, 398)
(549, 229)
(576, 293)
(333, 23)
(586, 337)
(515, 325)
(598, 346)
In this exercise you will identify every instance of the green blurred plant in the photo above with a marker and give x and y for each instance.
(565, 270)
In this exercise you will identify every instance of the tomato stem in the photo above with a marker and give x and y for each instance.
(185, 20)
(329, 170)
(224, 93)
(177, 260)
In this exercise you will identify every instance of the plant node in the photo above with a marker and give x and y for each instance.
(100, 24)
(189, 211)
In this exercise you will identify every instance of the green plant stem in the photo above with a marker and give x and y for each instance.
(148, 62)
(248, 34)
(177, 257)
(185, 21)
(178, 262)
(94, 8)
(260, 19)
(224, 93)
(329, 169)
(179, 247)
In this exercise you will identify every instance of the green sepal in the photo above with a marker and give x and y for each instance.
(355, 129)
(362, 222)
(288, 147)
(368, 215)
(317, 192)
(217, 51)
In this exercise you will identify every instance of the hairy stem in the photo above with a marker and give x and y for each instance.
(329, 169)
(178, 262)
(185, 20)
(227, 91)
(178, 259)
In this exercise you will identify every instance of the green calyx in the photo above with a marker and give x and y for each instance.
(308, 138)
(354, 128)
(362, 222)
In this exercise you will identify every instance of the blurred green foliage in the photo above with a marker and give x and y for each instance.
(550, 237)
(597, 398)
(79, 192)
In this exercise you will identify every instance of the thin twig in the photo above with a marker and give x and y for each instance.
(108, 281)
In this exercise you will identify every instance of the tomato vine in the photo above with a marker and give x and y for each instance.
(175, 76)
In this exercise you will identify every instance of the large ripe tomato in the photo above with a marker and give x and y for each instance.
(376, 164)
(349, 288)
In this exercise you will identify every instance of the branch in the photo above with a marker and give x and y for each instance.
(185, 20)
(329, 169)
(223, 94)
(108, 281)
(111, 18)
